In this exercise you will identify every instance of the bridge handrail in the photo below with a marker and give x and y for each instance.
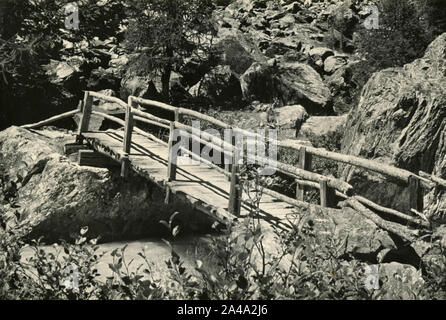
(303, 175)
(107, 98)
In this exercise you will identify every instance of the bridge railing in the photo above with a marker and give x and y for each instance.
(329, 187)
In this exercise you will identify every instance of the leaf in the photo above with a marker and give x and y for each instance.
(173, 217)
(176, 231)
(242, 282)
(164, 223)
(84, 230)
(126, 279)
(199, 264)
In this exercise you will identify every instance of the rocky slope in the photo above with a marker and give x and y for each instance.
(401, 120)
(49, 192)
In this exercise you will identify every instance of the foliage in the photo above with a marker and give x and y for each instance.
(31, 34)
(404, 33)
(165, 33)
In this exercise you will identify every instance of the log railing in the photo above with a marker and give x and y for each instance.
(330, 188)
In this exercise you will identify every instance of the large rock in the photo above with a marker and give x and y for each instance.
(290, 82)
(320, 126)
(220, 85)
(401, 120)
(290, 117)
(258, 83)
(333, 63)
(349, 231)
(238, 51)
(318, 56)
(56, 197)
(139, 86)
(298, 83)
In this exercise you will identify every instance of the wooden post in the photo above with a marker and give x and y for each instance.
(305, 164)
(86, 115)
(128, 128)
(167, 195)
(415, 194)
(172, 160)
(80, 106)
(177, 115)
(327, 195)
(225, 157)
(235, 192)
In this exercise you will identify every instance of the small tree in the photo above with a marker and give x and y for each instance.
(166, 32)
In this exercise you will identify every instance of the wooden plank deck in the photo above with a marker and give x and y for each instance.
(199, 183)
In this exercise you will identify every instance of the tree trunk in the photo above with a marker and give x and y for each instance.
(165, 76)
(165, 81)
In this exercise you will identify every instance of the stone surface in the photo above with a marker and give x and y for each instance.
(323, 125)
(257, 83)
(56, 197)
(289, 117)
(298, 83)
(349, 230)
(333, 63)
(401, 120)
(220, 85)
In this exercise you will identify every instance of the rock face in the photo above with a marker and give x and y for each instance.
(56, 196)
(301, 84)
(323, 125)
(289, 117)
(401, 120)
(351, 231)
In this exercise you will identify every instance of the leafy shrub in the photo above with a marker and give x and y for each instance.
(404, 33)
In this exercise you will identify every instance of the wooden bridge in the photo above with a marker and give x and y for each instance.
(216, 189)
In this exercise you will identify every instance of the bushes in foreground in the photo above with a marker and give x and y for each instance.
(243, 267)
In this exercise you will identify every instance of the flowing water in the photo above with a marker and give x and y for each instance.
(157, 251)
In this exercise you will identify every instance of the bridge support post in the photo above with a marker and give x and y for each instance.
(327, 195)
(235, 192)
(228, 160)
(86, 115)
(128, 128)
(172, 159)
(415, 194)
(305, 164)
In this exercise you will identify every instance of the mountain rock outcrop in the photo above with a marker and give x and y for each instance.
(401, 120)
(51, 194)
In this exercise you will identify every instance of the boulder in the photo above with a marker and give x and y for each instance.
(55, 197)
(431, 252)
(286, 21)
(290, 117)
(333, 63)
(320, 54)
(238, 50)
(290, 82)
(139, 86)
(401, 121)
(349, 230)
(258, 83)
(220, 85)
(298, 83)
(61, 71)
(320, 126)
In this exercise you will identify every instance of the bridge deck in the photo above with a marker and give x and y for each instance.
(199, 183)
